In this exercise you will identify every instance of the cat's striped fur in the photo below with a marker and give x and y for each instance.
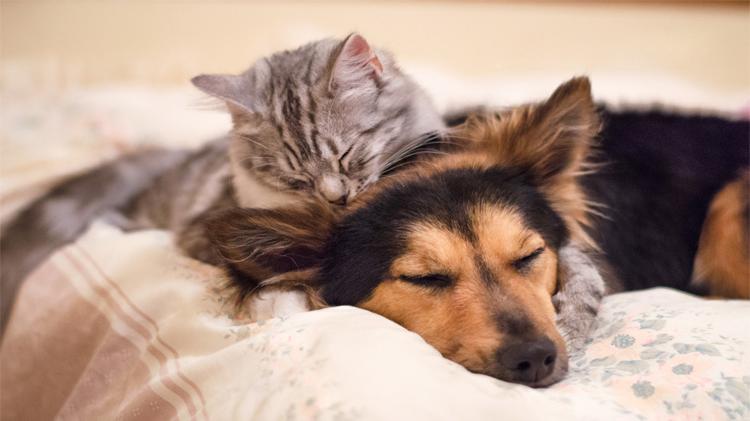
(67, 210)
(323, 120)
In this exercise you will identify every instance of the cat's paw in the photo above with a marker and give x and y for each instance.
(271, 303)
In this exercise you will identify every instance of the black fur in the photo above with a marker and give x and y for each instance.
(373, 236)
(661, 172)
(659, 175)
(515, 324)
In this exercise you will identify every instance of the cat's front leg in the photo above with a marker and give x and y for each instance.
(580, 292)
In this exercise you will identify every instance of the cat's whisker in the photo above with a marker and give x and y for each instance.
(263, 158)
(398, 156)
(400, 162)
(394, 167)
(415, 143)
(390, 171)
(253, 141)
(417, 153)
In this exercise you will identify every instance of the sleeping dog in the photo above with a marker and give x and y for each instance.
(464, 248)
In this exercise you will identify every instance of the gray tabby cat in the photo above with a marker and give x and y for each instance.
(324, 120)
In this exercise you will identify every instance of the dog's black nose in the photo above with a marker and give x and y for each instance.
(529, 361)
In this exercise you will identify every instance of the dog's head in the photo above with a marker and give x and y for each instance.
(462, 250)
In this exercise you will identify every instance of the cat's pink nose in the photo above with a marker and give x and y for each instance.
(333, 188)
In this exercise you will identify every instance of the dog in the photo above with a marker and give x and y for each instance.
(465, 248)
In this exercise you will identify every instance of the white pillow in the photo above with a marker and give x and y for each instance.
(123, 325)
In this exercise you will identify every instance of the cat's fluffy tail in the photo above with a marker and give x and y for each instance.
(64, 213)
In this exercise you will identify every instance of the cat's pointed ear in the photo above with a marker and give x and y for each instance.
(355, 62)
(258, 244)
(233, 89)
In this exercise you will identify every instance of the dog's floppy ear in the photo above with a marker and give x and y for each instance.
(550, 141)
(256, 245)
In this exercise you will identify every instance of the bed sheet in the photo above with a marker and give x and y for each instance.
(122, 326)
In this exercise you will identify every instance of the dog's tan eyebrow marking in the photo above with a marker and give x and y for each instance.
(430, 244)
(525, 240)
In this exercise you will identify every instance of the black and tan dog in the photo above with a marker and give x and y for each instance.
(463, 249)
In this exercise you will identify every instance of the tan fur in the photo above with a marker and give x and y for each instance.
(460, 322)
(553, 139)
(271, 243)
(503, 238)
(722, 263)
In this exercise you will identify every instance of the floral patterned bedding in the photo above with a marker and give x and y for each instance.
(669, 353)
(121, 326)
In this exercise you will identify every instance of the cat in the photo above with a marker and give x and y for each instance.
(324, 120)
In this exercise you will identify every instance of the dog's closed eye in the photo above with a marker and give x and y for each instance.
(524, 263)
(434, 280)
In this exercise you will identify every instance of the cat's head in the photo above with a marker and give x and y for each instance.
(325, 119)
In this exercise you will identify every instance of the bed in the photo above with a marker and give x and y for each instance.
(121, 326)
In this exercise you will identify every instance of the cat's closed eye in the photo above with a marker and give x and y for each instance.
(343, 163)
(297, 184)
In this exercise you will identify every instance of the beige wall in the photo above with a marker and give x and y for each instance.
(60, 43)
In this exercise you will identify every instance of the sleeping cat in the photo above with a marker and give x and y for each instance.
(323, 120)
(326, 119)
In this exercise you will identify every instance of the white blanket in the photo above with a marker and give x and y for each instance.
(123, 326)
